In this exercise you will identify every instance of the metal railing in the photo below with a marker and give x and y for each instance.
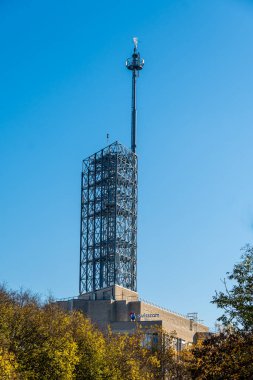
(163, 308)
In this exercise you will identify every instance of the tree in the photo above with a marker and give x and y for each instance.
(42, 342)
(36, 341)
(91, 349)
(38, 337)
(228, 355)
(128, 358)
(8, 365)
(223, 356)
(237, 302)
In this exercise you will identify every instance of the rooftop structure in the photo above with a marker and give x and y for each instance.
(108, 219)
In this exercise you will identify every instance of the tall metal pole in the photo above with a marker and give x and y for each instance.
(133, 123)
(135, 64)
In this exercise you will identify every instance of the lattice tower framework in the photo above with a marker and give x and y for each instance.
(108, 238)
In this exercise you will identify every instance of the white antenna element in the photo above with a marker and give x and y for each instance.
(135, 39)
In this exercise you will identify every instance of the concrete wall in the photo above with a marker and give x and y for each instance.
(104, 311)
(117, 314)
(130, 327)
(115, 292)
(125, 294)
(171, 322)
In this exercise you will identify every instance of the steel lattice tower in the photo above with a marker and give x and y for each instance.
(108, 237)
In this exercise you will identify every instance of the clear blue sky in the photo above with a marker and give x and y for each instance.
(64, 86)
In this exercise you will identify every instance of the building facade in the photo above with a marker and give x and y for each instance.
(123, 311)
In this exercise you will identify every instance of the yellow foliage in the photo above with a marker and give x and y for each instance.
(46, 343)
(8, 365)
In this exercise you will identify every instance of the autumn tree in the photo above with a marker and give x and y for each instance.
(92, 350)
(37, 337)
(170, 364)
(129, 357)
(8, 365)
(226, 355)
(41, 341)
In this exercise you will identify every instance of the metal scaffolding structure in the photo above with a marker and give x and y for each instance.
(108, 237)
(108, 245)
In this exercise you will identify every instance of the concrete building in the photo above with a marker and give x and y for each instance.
(123, 310)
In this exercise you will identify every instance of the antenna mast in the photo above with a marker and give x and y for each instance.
(135, 64)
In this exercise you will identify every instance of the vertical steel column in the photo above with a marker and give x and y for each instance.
(87, 235)
(134, 112)
(101, 279)
(116, 253)
(81, 237)
(94, 225)
(135, 64)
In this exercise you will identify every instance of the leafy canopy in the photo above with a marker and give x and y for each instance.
(237, 302)
(42, 342)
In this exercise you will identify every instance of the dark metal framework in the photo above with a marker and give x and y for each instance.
(108, 245)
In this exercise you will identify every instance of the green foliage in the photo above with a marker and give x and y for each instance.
(228, 355)
(237, 302)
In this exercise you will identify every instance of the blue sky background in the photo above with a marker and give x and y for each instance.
(64, 86)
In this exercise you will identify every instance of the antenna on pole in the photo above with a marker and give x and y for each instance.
(135, 64)
(135, 39)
